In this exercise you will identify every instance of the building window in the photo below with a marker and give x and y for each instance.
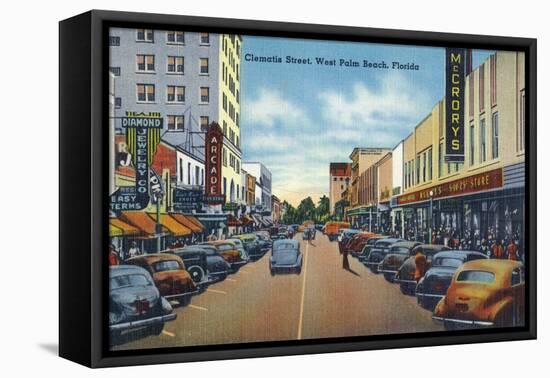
(203, 66)
(495, 135)
(175, 37)
(197, 174)
(145, 63)
(175, 64)
(118, 102)
(204, 122)
(225, 128)
(417, 169)
(482, 88)
(430, 164)
(175, 122)
(144, 35)
(482, 141)
(205, 38)
(115, 70)
(472, 144)
(145, 92)
(188, 173)
(237, 119)
(441, 160)
(202, 176)
(114, 41)
(180, 171)
(175, 94)
(471, 95)
(205, 95)
(521, 132)
(493, 61)
(224, 184)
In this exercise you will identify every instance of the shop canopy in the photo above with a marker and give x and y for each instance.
(245, 219)
(187, 222)
(196, 222)
(142, 221)
(120, 228)
(232, 221)
(175, 227)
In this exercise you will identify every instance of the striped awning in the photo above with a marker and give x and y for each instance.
(120, 228)
(175, 227)
(187, 222)
(142, 221)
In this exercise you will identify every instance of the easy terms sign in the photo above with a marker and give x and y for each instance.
(454, 104)
(213, 165)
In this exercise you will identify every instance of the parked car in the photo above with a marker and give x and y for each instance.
(405, 273)
(344, 235)
(169, 274)
(286, 257)
(135, 304)
(240, 246)
(378, 251)
(433, 286)
(230, 253)
(319, 227)
(332, 229)
(355, 244)
(398, 253)
(263, 240)
(279, 236)
(484, 293)
(204, 264)
(368, 246)
(251, 245)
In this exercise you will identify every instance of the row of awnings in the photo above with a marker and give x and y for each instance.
(144, 224)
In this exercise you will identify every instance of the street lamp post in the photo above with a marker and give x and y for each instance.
(431, 216)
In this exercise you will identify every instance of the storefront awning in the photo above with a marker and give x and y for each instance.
(120, 228)
(246, 219)
(141, 220)
(361, 210)
(188, 222)
(232, 221)
(196, 222)
(175, 227)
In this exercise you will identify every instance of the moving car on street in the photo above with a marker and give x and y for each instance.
(405, 273)
(286, 257)
(378, 251)
(203, 264)
(309, 233)
(251, 245)
(484, 293)
(169, 274)
(135, 304)
(230, 253)
(398, 253)
(433, 286)
(332, 229)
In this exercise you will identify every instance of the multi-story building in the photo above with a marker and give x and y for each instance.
(263, 185)
(339, 176)
(275, 209)
(483, 197)
(384, 182)
(192, 79)
(397, 187)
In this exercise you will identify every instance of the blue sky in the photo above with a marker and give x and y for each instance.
(296, 118)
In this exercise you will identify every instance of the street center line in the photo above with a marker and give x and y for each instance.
(168, 333)
(300, 320)
(198, 307)
(216, 291)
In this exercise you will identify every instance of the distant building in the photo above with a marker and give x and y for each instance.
(339, 176)
(263, 185)
(275, 209)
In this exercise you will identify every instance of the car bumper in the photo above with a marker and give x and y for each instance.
(284, 267)
(128, 326)
(182, 295)
(410, 282)
(428, 295)
(387, 271)
(478, 323)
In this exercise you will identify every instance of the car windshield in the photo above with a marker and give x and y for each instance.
(284, 252)
(476, 276)
(448, 261)
(129, 280)
(285, 246)
(163, 266)
(225, 247)
(400, 250)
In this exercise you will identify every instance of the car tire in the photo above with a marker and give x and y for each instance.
(388, 277)
(272, 272)
(196, 273)
(157, 329)
(185, 300)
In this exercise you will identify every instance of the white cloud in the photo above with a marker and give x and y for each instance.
(272, 107)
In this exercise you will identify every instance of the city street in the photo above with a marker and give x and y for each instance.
(323, 301)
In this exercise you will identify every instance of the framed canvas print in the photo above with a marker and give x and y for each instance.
(234, 188)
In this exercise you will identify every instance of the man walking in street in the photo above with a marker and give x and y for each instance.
(420, 264)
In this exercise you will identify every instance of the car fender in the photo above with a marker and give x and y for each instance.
(504, 304)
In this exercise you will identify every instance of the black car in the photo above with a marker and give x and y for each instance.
(264, 241)
(378, 251)
(203, 263)
(398, 253)
(433, 286)
(368, 246)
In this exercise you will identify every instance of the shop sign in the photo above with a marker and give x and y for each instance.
(454, 104)
(213, 151)
(472, 184)
(231, 206)
(187, 200)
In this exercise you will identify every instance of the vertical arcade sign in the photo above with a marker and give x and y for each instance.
(142, 138)
(213, 154)
(455, 62)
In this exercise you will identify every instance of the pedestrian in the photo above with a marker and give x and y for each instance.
(114, 258)
(512, 251)
(420, 263)
(497, 250)
(345, 260)
(134, 250)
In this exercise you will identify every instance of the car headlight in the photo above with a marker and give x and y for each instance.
(166, 306)
(115, 317)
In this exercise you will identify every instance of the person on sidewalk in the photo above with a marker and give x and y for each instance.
(420, 263)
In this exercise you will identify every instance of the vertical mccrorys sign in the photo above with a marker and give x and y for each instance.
(213, 154)
(454, 104)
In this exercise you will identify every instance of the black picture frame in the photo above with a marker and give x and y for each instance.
(83, 209)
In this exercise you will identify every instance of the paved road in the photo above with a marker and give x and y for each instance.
(323, 301)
